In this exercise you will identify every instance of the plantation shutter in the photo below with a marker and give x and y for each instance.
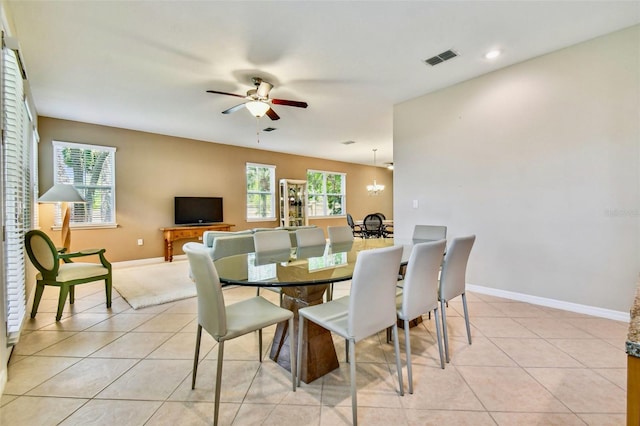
(19, 187)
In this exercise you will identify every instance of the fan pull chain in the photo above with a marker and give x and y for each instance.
(258, 129)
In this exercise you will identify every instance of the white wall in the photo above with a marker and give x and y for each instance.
(540, 160)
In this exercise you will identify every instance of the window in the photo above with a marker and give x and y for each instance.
(261, 192)
(19, 183)
(326, 193)
(91, 170)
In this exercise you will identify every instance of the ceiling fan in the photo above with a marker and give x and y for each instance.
(258, 101)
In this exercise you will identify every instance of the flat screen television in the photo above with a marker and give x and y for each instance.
(197, 210)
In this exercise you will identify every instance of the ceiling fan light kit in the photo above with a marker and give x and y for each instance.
(258, 101)
(257, 108)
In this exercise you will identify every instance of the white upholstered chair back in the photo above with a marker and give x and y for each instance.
(454, 267)
(420, 288)
(340, 234)
(429, 232)
(271, 240)
(372, 304)
(211, 309)
(310, 237)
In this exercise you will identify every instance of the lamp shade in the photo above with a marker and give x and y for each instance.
(61, 193)
(257, 108)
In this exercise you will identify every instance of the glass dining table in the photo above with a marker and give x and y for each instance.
(303, 274)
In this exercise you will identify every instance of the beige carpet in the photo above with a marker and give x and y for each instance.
(154, 284)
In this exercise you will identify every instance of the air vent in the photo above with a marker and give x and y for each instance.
(347, 142)
(444, 56)
(268, 129)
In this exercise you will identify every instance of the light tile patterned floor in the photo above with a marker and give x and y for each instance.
(528, 365)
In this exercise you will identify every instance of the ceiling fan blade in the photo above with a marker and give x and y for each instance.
(264, 88)
(233, 109)
(272, 114)
(289, 103)
(226, 93)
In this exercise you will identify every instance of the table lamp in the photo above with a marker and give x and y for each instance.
(64, 194)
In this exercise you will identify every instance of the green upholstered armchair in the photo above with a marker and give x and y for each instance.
(66, 274)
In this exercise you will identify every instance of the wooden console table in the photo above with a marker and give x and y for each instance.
(174, 233)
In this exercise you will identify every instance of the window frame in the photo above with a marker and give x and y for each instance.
(81, 187)
(272, 192)
(326, 214)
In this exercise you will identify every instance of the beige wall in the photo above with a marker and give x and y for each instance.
(541, 161)
(151, 169)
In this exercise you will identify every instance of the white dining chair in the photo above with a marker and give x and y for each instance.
(271, 241)
(228, 322)
(420, 293)
(310, 237)
(369, 308)
(453, 282)
(340, 234)
(429, 233)
(232, 245)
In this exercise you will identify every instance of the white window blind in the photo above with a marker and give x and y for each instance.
(19, 186)
(261, 192)
(91, 170)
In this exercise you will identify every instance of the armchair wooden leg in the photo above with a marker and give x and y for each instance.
(64, 291)
(107, 288)
(36, 299)
(72, 294)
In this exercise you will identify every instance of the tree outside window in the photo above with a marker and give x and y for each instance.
(261, 184)
(326, 192)
(91, 170)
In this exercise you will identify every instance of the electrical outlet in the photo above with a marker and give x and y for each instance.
(140, 241)
(415, 204)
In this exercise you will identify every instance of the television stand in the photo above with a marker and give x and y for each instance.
(175, 233)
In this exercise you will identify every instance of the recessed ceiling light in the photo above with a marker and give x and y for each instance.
(492, 54)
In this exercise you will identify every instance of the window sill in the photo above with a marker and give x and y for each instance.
(328, 217)
(101, 226)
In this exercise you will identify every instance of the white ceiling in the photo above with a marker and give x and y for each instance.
(146, 65)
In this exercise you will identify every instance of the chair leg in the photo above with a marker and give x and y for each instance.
(72, 294)
(439, 336)
(216, 407)
(195, 358)
(292, 354)
(397, 349)
(354, 391)
(36, 299)
(466, 316)
(346, 350)
(107, 288)
(407, 344)
(260, 345)
(445, 335)
(64, 291)
(299, 356)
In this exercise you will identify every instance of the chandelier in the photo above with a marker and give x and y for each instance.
(374, 189)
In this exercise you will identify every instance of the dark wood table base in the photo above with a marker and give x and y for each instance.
(318, 353)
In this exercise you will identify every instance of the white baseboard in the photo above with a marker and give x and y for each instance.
(141, 262)
(553, 303)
